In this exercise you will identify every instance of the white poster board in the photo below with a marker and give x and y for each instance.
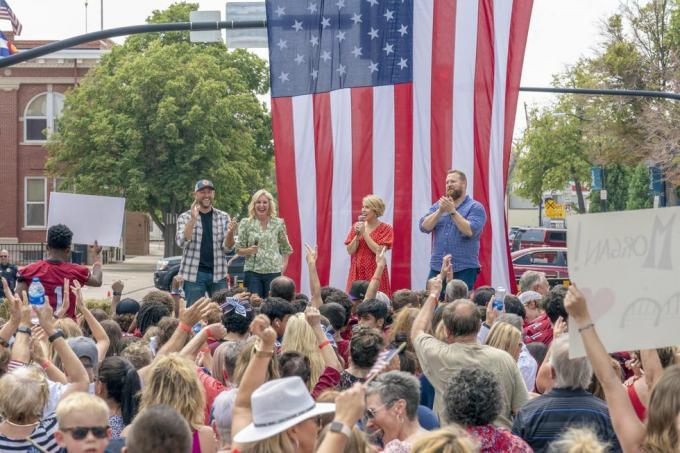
(628, 266)
(90, 217)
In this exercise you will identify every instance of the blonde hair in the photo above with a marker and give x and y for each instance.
(375, 204)
(452, 439)
(578, 440)
(357, 442)
(256, 196)
(662, 413)
(505, 337)
(174, 382)
(79, 402)
(402, 324)
(278, 443)
(70, 329)
(23, 394)
(244, 358)
(300, 337)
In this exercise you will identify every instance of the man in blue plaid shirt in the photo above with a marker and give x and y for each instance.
(456, 221)
(205, 234)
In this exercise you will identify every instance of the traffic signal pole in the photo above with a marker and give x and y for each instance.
(46, 49)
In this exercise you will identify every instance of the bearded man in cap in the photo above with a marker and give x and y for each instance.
(206, 234)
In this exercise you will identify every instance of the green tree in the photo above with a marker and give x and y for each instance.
(550, 155)
(157, 114)
(639, 194)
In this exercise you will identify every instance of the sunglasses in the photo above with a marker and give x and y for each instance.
(370, 413)
(80, 432)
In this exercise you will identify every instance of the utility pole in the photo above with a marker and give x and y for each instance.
(101, 14)
(85, 16)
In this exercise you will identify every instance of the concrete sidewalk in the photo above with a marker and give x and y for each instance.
(136, 273)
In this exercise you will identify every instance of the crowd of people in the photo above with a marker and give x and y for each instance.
(207, 367)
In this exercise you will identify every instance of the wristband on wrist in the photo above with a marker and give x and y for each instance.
(586, 327)
(184, 327)
(117, 293)
(24, 329)
(45, 365)
(55, 335)
(324, 344)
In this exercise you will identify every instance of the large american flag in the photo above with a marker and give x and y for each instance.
(7, 13)
(383, 97)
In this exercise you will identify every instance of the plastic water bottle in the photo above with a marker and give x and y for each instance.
(499, 299)
(36, 297)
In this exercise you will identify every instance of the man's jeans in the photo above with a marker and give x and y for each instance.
(203, 284)
(469, 276)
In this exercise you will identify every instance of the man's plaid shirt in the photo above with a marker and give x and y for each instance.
(191, 255)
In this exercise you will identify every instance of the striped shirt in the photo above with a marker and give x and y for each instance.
(545, 418)
(43, 435)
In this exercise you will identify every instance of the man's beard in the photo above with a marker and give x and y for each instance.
(455, 193)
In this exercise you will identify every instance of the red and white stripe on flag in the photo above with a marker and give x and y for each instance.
(398, 141)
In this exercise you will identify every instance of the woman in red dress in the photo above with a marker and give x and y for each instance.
(366, 238)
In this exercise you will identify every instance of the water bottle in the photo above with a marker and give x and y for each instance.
(36, 297)
(499, 299)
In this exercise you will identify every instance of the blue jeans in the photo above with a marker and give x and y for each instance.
(203, 284)
(259, 283)
(469, 276)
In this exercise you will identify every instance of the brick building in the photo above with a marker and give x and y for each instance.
(31, 99)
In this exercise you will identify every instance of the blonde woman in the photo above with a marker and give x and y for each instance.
(365, 240)
(300, 337)
(174, 382)
(451, 439)
(263, 240)
(505, 337)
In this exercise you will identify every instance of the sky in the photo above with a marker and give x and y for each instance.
(561, 31)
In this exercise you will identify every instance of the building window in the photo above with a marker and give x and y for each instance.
(40, 118)
(35, 205)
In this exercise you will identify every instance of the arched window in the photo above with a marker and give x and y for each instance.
(40, 118)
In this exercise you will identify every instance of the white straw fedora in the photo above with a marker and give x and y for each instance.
(278, 405)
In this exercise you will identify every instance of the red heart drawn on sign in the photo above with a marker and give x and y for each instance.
(599, 302)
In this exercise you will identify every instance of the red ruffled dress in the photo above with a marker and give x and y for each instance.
(363, 264)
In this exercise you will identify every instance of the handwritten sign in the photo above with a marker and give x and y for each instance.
(628, 266)
(90, 217)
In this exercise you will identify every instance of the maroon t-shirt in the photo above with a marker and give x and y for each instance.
(52, 275)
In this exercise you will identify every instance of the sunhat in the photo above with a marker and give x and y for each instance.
(278, 405)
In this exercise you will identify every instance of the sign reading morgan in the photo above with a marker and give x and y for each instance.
(627, 264)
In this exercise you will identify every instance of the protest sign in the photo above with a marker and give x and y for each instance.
(628, 266)
(90, 217)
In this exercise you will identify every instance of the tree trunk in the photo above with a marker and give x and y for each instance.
(579, 196)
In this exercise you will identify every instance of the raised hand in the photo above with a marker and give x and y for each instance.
(216, 331)
(194, 210)
(311, 254)
(351, 404)
(193, 314)
(96, 248)
(117, 286)
(232, 225)
(380, 258)
(259, 324)
(313, 316)
(435, 286)
(77, 291)
(177, 282)
(575, 304)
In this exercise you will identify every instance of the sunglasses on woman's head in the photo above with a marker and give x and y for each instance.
(80, 432)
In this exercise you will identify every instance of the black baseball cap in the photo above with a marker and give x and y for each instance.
(126, 306)
(358, 289)
(202, 184)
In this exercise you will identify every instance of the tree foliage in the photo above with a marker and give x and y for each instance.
(639, 195)
(157, 114)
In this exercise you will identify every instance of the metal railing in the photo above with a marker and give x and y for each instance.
(23, 254)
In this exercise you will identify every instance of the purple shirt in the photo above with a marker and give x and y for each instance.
(448, 239)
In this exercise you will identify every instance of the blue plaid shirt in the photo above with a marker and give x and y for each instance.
(448, 239)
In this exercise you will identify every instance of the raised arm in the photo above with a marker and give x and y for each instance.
(424, 319)
(191, 349)
(629, 429)
(96, 275)
(98, 333)
(651, 364)
(349, 408)
(330, 358)
(117, 290)
(73, 367)
(254, 375)
(374, 284)
(314, 282)
(21, 349)
(14, 304)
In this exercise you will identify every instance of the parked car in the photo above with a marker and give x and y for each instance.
(167, 268)
(551, 260)
(525, 238)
